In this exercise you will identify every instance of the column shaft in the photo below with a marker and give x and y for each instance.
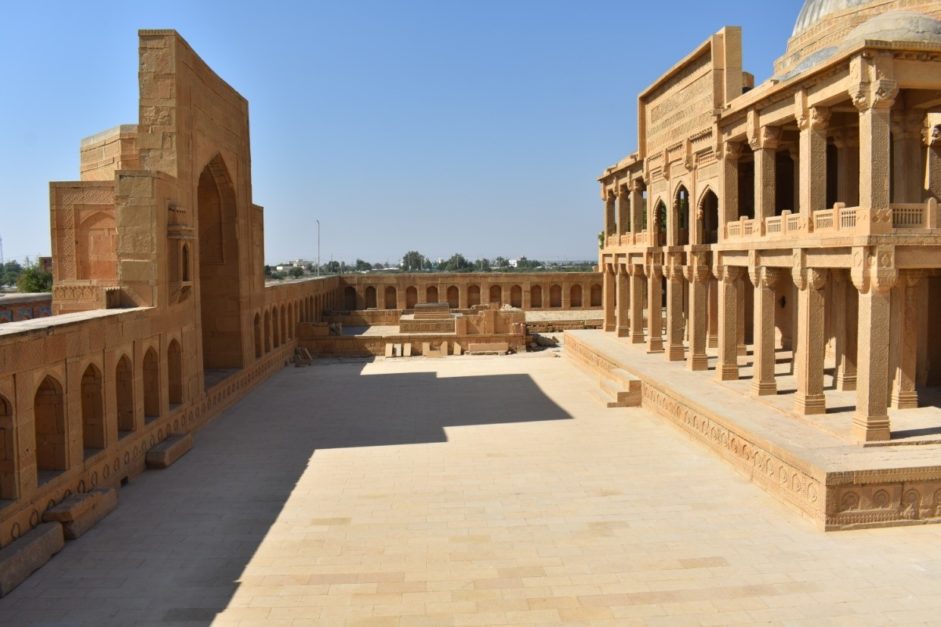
(609, 299)
(763, 358)
(871, 421)
(697, 321)
(675, 322)
(654, 310)
(808, 370)
(727, 366)
(623, 302)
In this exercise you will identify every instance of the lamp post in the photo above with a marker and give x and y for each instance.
(318, 246)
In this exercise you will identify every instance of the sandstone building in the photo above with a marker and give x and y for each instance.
(799, 215)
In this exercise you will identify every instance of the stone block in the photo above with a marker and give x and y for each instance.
(480, 348)
(80, 512)
(407, 349)
(390, 348)
(167, 452)
(27, 554)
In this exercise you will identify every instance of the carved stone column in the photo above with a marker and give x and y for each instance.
(697, 274)
(637, 303)
(765, 142)
(728, 185)
(740, 347)
(811, 345)
(873, 275)
(906, 311)
(932, 139)
(873, 96)
(763, 381)
(675, 323)
(847, 168)
(608, 287)
(624, 210)
(712, 319)
(654, 305)
(610, 219)
(844, 327)
(907, 157)
(812, 122)
(637, 205)
(623, 301)
(727, 366)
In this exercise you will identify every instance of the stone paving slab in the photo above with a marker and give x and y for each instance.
(485, 490)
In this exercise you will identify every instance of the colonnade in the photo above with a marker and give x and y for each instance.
(868, 323)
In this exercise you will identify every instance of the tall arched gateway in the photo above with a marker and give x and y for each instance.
(218, 268)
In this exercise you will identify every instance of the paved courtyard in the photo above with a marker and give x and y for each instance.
(465, 491)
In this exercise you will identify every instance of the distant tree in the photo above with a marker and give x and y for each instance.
(296, 272)
(457, 263)
(429, 265)
(377, 266)
(482, 265)
(501, 263)
(413, 261)
(10, 272)
(362, 266)
(34, 279)
(527, 264)
(269, 271)
(332, 267)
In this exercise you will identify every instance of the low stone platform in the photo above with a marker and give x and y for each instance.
(27, 554)
(837, 484)
(167, 452)
(80, 512)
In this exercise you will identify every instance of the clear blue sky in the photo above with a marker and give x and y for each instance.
(476, 127)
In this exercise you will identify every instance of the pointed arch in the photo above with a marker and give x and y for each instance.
(496, 294)
(124, 391)
(219, 275)
(411, 297)
(431, 294)
(708, 226)
(93, 411)
(8, 488)
(516, 296)
(49, 422)
(454, 297)
(535, 297)
(175, 366)
(680, 216)
(151, 373)
(575, 296)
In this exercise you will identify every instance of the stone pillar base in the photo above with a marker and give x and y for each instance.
(676, 353)
(905, 400)
(638, 338)
(624, 332)
(698, 362)
(867, 429)
(846, 383)
(810, 404)
(727, 373)
(764, 388)
(712, 341)
(655, 345)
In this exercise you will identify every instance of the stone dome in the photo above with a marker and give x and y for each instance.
(814, 11)
(897, 26)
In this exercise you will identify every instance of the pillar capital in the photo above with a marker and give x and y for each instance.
(766, 277)
(931, 133)
(809, 278)
(764, 138)
(635, 269)
(874, 270)
(813, 118)
(727, 274)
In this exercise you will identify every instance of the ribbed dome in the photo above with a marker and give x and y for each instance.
(814, 11)
(897, 26)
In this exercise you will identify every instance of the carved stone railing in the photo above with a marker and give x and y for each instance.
(774, 226)
(908, 216)
(823, 220)
(847, 219)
